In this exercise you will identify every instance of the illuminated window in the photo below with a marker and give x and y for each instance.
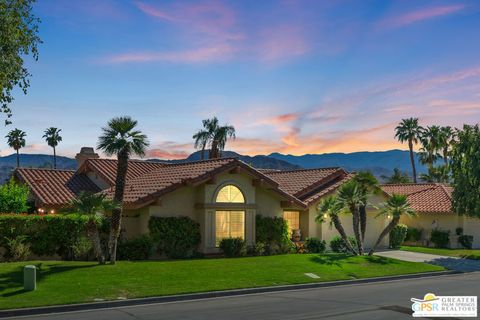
(293, 220)
(230, 194)
(229, 224)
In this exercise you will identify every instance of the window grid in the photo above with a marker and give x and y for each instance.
(229, 224)
(230, 194)
(293, 220)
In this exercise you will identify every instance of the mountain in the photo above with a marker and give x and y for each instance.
(378, 162)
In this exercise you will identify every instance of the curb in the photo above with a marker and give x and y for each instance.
(205, 295)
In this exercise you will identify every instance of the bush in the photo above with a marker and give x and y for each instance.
(258, 249)
(440, 238)
(176, 237)
(47, 235)
(139, 248)
(338, 245)
(17, 249)
(397, 236)
(413, 234)
(82, 250)
(459, 231)
(13, 197)
(273, 231)
(315, 245)
(466, 241)
(233, 247)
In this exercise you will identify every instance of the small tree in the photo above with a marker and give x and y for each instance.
(397, 177)
(367, 185)
(13, 197)
(395, 207)
(465, 168)
(16, 140)
(52, 136)
(351, 197)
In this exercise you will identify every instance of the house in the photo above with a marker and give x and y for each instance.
(222, 195)
(433, 205)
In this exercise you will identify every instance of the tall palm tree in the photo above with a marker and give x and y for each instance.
(351, 198)
(408, 130)
(395, 207)
(431, 145)
(397, 177)
(214, 136)
(16, 140)
(93, 206)
(439, 174)
(447, 137)
(120, 138)
(368, 185)
(332, 208)
(52, 136)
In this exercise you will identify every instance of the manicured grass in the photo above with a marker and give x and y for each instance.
(462, 253)
(61, 282)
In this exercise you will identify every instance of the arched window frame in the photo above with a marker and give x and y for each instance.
(228, 184)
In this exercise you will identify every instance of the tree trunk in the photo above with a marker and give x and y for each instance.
(18, 159)
(412, 160)
(54, 158)
(363, 222)
(385, 231)
(202, 155)
(356, 229)
(341, 231)
(92, 232)
(214, 150)
(116, 223)
(445, 155)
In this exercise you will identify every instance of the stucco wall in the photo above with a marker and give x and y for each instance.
(471, 226)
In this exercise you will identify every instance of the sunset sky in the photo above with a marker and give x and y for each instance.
(292, 76)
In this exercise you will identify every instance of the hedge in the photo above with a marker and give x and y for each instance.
(47, 235)
(398, 235)
(176, 237)
(273, 231)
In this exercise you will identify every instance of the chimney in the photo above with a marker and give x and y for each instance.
(84, 154)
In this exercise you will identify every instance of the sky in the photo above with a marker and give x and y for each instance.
(293, 77)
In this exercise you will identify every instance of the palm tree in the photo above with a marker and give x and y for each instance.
(16, 140)
(431, 144)
(93, 206)
(368, 184)
(395, 207)
(331, 207)
(120, 138)
(397, 177)
(439, 174)
(52, 136)
(351, 198)
(214, 136)
(447, 136)
(409, 131)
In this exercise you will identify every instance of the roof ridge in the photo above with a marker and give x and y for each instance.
(46, 169)
(443, 187)
(200, 161)
(303, 169)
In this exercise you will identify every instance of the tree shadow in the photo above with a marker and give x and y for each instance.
(15, 277)
(379, 260)
(330, 259)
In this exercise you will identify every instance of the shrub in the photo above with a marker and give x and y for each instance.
(176, 237)
(258, 249)
(233, 247)
(459, 231)
(17, 249)
(466, 241)
(440, 238)
(46, 234)
(300, 247)
(13, 197)
(413, 234)
(397, 236)
(273, 231)
(82, 250)
(139, 248)
(315, 245)
(338, 245)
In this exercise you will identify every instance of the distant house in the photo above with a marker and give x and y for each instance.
(222, 195)
(433, 204)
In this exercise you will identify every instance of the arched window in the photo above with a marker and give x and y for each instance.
(230, 194)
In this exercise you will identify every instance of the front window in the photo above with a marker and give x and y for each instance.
(230, 194)
(229, 224)
(293, 220)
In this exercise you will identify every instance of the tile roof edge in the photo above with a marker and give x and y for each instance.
(275, 171)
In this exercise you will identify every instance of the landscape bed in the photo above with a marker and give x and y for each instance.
(473, 254)
(67, 282)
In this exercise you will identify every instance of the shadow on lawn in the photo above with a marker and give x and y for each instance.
(336, 259)
(15, 277)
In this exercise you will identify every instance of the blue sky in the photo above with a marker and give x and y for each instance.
(292, 76)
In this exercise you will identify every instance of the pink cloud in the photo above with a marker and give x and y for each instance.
(281, 42)
(420, 15)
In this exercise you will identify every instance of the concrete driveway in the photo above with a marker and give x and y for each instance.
(451, 263)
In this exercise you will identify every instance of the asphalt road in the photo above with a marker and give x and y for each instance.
(387, 300)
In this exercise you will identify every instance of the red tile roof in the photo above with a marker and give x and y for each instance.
(54, 188)
(424, 198)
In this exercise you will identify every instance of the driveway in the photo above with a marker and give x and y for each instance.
(452, 263)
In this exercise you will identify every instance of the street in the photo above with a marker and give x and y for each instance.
(387, 300)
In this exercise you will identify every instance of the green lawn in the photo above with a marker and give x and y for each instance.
(462, 253)
(61, 282)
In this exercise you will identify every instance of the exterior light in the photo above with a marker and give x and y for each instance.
(389, 216)
(325, 215)
(52, 211)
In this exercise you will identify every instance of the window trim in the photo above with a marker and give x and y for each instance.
(244, 212)
(226, 184)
